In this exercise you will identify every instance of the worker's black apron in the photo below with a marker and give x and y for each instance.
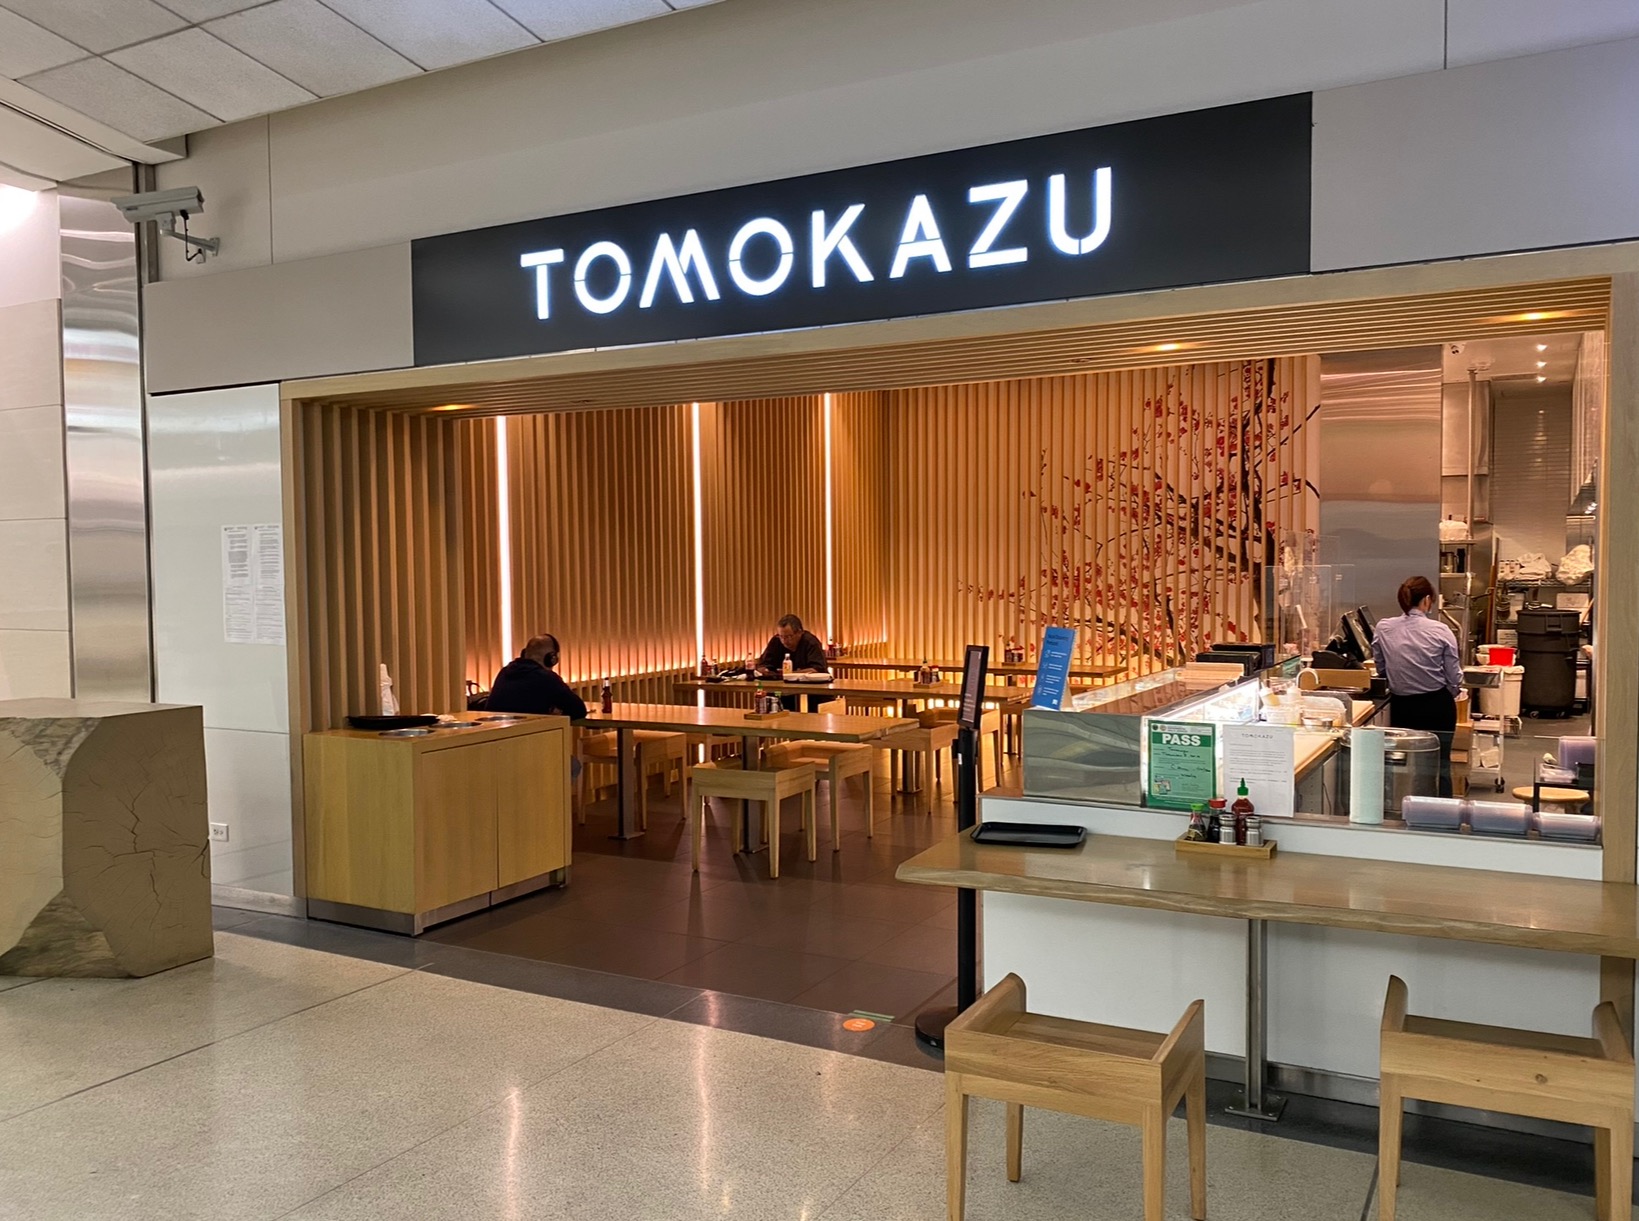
(1434, 711)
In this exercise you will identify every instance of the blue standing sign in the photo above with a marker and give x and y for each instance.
(1058, 645)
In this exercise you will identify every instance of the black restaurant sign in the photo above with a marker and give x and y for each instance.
(1203, 197)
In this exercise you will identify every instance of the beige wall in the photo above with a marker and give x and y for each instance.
(34, 620)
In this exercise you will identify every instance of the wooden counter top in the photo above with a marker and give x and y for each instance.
(485, 728)
(1566, 914)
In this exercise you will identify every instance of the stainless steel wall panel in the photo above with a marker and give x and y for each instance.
(1380, 469)
(104, 448)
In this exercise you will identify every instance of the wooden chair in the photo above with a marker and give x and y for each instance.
(999, 1049)
(840, 760)
(771, 786)
(990, 725)
(1493, 1068)
(927, 741)
(654, 748)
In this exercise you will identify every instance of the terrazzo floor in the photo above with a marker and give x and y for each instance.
(283, 1081)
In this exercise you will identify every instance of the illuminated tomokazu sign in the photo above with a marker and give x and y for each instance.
(1208, 196)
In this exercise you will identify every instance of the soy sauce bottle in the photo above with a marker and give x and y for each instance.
(608, 696)
(1215, 820)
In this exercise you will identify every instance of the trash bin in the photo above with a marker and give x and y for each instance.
(1503, 700)
(1548, 643)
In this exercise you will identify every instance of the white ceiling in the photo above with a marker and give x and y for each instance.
(131, 72)
(1516, 362)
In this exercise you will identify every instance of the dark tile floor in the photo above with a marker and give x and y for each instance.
(838, 934)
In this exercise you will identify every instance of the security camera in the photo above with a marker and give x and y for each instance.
(167, 207)
(161, 205)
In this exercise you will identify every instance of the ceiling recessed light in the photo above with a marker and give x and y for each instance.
(1542, 364)
(1541, 378)
(1542, 347)
(1169, 347)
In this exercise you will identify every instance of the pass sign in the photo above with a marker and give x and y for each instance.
(1202, 197)
(1183, 766)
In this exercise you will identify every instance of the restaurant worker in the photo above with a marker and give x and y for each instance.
(531, 683)
(1418, 656)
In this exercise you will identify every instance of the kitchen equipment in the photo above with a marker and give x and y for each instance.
(1499, 817)
(378, 724)
(1548, 643)
(1554, 824)
(1411, 767)
(1433, 813)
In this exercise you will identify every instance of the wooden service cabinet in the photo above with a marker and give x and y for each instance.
(403, 833)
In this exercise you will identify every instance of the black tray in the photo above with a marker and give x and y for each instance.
(1029, 834)
(408, 720)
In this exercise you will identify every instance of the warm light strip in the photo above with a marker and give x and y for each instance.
(699, 548)
(503, 536)
(830, 562)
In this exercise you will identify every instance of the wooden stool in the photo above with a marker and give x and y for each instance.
(1492, 1068)
(840, 760)
(771, 786)
(1570, 801)
(653, 747)
(990, 725)
(998, 1049)
(926, 740)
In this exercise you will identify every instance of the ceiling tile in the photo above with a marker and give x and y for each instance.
(313, 46)
(437, 33)
(127, 103)
(98, 25)
(211, 75)
(26, 47)
(205, 10)
(553, 19)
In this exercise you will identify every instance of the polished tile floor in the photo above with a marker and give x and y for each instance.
(283, 1081)
(838, 934)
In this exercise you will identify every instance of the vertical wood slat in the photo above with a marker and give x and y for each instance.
(1135, 504)
(602, 541)
(380, 523)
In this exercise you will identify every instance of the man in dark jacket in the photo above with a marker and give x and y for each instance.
(531, 684)
(807, 656)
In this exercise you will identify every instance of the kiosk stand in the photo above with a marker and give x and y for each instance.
(931, 1023)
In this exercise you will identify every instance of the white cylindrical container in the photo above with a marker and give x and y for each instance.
(1366, 775)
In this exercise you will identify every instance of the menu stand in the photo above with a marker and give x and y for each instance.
(931, 1023)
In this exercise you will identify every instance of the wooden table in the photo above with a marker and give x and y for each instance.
(901, 689)
(689, 718)
(1007, 669)
(1569, 915)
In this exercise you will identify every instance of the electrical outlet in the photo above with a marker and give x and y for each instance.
(219, 832)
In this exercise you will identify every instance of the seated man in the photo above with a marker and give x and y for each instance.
(531, 684)
(804, 649)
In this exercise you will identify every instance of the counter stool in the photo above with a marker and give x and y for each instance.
(840, 760)
(770, 785)
(1521, 1072)
(999, 1049)
(926, 740)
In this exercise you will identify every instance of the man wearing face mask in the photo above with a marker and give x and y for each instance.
(531, 683)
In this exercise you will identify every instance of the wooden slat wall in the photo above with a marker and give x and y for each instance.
(1137, 506)
(861, 520)
(381, 500)
(602, 544)
(763, 491)
(476, 452)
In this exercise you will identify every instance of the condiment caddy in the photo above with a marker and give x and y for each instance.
(1219, 829)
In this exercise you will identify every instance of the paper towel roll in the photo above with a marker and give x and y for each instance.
(1366, 775)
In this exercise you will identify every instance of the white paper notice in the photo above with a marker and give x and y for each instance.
(253, 585)
(1265, 756)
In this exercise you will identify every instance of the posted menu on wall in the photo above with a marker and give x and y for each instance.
(253, 584)
(1183, 764)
